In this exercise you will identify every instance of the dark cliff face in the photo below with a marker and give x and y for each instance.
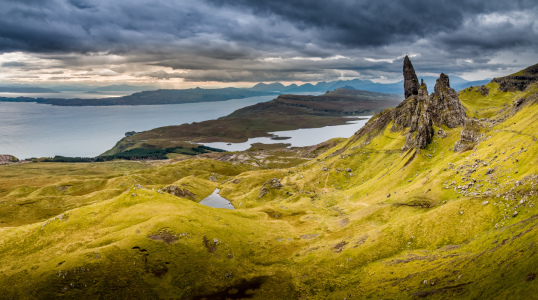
(410, 78)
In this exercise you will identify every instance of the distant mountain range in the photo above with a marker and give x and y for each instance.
(456, 83)
(176, 96)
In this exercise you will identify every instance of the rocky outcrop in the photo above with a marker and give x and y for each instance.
(518, 81)
(178, 192)
(419, 111)
(273, 183)
(446, 106)
(421, 126)
(470, 136)
(410, 78)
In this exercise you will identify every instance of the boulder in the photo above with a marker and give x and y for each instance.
(179, 192)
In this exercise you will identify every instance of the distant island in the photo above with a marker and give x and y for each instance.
(29, 90)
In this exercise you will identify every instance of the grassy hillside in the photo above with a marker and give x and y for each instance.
(363, 220)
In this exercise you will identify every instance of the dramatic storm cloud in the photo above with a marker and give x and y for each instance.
(240, 41)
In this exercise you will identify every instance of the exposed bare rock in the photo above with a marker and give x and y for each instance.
(469, 136)
(403, 114)
(518, 81)
(484, 90)
(410, 78)
(375, 124)
(419, 111)
(446, 106)
(263, 191)
(273, 183)
(442, 133)
(176, 191)
(421, 127)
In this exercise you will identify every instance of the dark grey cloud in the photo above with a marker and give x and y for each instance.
(244, 40)
(382, 22)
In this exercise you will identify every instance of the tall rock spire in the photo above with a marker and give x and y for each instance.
(411, 85)
(420, 111)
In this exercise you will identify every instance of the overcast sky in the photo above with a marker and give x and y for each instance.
(185, 43)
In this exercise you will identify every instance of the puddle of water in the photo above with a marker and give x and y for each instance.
(217, 201)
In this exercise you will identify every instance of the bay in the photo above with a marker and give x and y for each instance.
(299, 137)
(39, 130)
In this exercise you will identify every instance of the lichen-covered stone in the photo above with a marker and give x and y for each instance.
(469, 136)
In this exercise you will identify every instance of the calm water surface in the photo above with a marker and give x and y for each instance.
(217, 201)
(40, 130)
(300, 137)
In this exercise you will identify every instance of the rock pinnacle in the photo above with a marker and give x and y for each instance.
(411, 85)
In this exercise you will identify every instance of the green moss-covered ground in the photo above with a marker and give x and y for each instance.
(362, 220)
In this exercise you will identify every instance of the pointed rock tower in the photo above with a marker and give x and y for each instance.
(410, 78)
(420, 112)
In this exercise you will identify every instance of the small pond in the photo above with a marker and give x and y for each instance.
(217, 201)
